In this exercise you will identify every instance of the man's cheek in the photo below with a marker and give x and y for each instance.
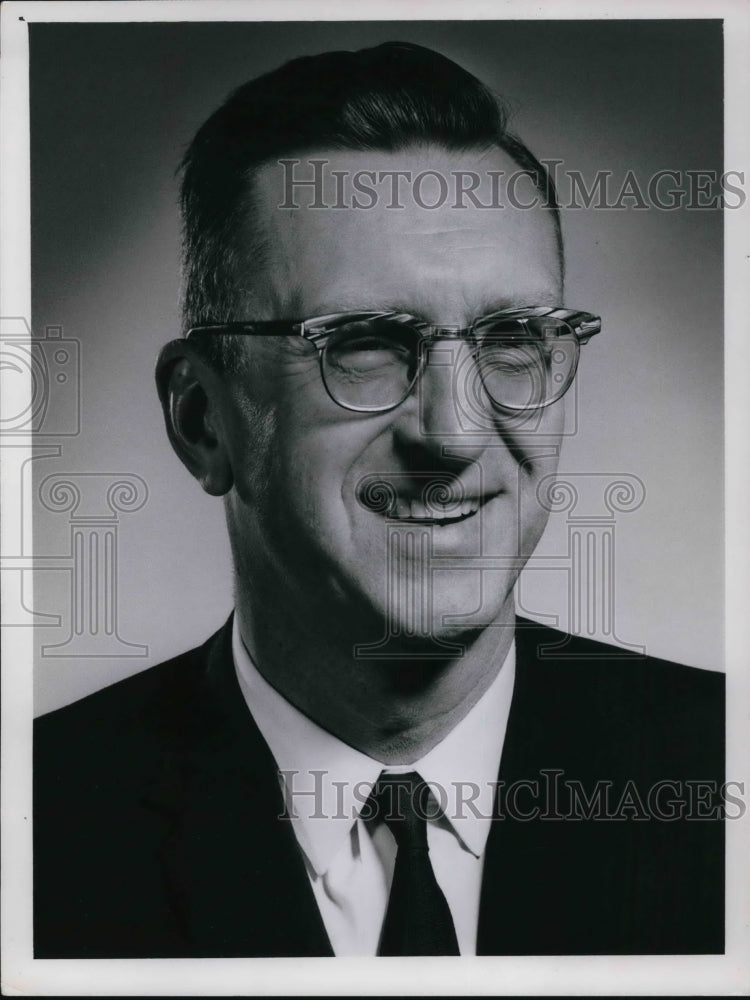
(311, 508)
(533, 521)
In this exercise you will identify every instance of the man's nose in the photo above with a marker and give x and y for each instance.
(451, 403)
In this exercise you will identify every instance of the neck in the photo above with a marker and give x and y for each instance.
(395, 708)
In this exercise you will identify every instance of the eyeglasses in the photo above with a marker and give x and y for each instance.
(371, 361)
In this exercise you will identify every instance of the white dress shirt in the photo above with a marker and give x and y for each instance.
(350, 862)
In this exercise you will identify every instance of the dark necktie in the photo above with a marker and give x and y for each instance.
(418, 920)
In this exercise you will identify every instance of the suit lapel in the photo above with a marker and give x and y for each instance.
(549, 882)
(509, 854)
(233, 871)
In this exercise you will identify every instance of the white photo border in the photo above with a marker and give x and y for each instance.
(563, 975)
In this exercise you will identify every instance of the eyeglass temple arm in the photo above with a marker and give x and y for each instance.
(584, 325)
(260, 328)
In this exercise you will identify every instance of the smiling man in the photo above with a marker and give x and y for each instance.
(374, 755)
(324, 449)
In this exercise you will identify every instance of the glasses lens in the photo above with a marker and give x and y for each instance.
(371, 364)
(527, 364)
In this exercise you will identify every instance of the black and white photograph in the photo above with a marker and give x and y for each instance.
(375, 484)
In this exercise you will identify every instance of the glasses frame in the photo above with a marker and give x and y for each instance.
(318, 329)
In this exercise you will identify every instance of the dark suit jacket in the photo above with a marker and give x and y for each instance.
(157, 829)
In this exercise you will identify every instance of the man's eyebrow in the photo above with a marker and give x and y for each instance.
(483, 307)
(498, 303)
(361, 304)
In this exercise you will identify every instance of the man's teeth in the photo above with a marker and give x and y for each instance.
(417, 510)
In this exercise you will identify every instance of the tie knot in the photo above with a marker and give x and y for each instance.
(403, 803)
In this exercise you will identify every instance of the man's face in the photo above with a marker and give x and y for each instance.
(302, 513)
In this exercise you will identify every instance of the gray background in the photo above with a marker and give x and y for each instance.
(112, 109)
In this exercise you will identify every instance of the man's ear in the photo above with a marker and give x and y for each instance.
(183, 381)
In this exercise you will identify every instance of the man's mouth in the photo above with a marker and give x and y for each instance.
(416, 511)
(441, 501)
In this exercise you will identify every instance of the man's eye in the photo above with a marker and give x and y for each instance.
(367, 354)
(512, 358)
(514, 362)
(355, 344)
(367, 349)
(372, 345)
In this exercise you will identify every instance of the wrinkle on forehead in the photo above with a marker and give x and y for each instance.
(459, 239)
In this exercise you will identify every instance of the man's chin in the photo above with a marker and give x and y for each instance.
(445, 633)
(441, 611)
(423, 658)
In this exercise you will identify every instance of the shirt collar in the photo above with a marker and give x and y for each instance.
(327, 781)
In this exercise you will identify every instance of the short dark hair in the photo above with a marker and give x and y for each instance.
(384, 98)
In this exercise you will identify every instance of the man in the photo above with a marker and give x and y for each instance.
(373, 755)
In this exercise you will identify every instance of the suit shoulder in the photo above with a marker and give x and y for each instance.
(124, 697)
(121, 728)
(649, 710)
(573, 657)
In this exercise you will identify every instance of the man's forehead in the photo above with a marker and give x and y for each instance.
(324, 215)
